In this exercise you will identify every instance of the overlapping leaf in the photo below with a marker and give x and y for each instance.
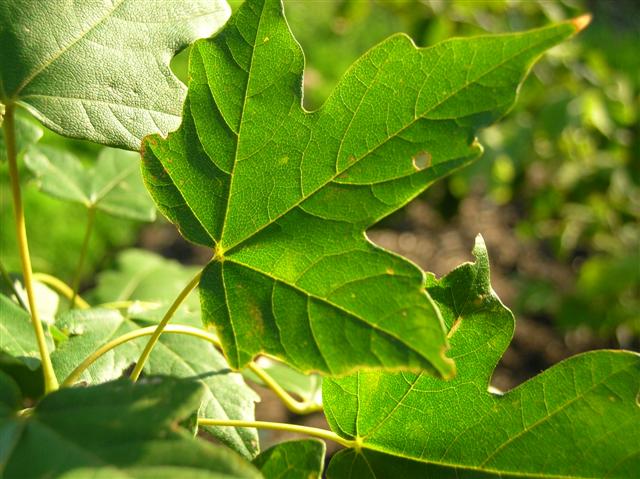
(100, 70)
(292, 460)
(115, 429)
(112, 185)
(578, 419)
(284, 196)
(226, 396)
(144, 276)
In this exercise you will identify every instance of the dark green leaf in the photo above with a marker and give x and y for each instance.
(226, 396)
(113, 185)
(100, 71)
(10, 399)
(577, 419)
(284, 196)
(116, 428)
(292, 460)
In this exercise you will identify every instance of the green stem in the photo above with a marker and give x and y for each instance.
(50, 381)
(278, 426)
(7, 279)
(130, 336)
(91, 216)
(62, 288)
(295, 406)
(161, 326)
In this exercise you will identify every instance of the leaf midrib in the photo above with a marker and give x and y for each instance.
(111, 185)
(238, 136)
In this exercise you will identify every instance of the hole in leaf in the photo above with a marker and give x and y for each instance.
(422, 160)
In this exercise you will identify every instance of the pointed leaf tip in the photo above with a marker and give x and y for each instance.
(581, 22)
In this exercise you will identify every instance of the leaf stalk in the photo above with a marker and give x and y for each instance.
(9, 283)
(61, 288)
(50, 380)
(278, 426)
(292, 404)
(162, 325)
(295, 406)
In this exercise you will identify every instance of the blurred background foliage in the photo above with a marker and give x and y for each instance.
(559, 179)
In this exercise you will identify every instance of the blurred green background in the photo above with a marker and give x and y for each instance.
(559, 179)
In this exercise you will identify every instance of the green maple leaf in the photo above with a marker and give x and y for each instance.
(283, 196)
(577, 419)
(114, 430)
(100, 70)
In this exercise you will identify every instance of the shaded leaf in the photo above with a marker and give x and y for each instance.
(292, 460)
(225, 395)
(284, 196)
(116, 428)
(17, 338)
(577, 419)
(112, 185)
(144, 276)
(100, 71)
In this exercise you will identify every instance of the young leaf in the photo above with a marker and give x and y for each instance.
(577, 419)
(100, 71)
(17, 338)
(113, 185)
(225, 396)
(116, 428)
(292, 460)
(284, 196)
